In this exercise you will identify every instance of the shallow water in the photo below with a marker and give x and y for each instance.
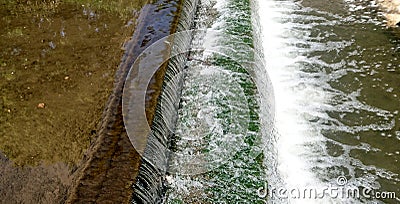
(57, 65)
(62, 56)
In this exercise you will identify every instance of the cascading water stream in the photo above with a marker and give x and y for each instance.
(336, 124)
(219, 118)
(150, 183)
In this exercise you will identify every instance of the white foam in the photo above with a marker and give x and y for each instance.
(293, 99)
(304, 96)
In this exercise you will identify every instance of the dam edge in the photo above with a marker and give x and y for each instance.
(111, 164)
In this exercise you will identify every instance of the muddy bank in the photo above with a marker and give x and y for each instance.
(21, 184)
(111, 165)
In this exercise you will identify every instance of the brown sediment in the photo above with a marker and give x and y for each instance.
(21, 184)
(52, 54)
(56, 74)
(111, 164)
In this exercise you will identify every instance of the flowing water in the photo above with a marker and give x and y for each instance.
(334, 68)
(283, 101)
(221, 128)
(149, 185)
(335, 72)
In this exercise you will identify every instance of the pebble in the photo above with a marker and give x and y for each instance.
(41, 105)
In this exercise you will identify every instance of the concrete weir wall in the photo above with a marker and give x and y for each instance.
(110, 167)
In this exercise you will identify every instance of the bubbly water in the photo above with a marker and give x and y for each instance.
(334, 68)
(335, 72)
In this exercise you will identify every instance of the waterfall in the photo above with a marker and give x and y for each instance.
(215, 137)
(226, 110)
(149, 185)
